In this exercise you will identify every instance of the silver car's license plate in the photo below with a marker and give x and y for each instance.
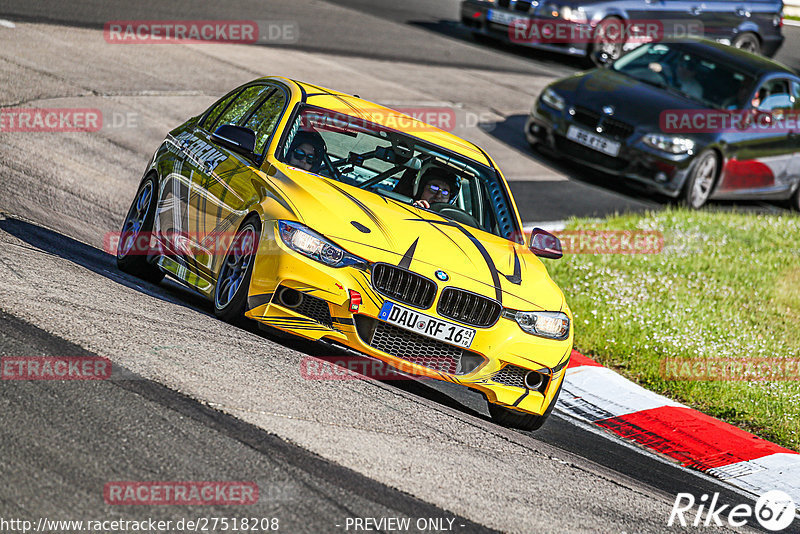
(586, 138)
(426, 325)
(501, 17)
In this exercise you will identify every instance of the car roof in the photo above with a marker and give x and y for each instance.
(355, 106)
(744, 61)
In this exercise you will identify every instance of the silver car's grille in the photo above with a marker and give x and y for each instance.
(468, 308)
(423, 351)
(403, 285)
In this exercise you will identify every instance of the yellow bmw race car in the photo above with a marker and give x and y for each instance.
(341, 221)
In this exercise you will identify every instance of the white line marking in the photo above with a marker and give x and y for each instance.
(7, 24)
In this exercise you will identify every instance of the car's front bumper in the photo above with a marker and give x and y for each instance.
(474, 15)
(497, 347)
(660, 172)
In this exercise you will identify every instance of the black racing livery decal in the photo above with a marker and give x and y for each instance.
(464, 252)
(516, 402)
(360, 227)
(515, 278)
(295, 322)
(405, 262)
(485, 253)
(254, 301)
(367, 211)
(343, 320)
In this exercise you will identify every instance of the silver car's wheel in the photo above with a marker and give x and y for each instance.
(701, 180)
(230, 294)
(748, 42)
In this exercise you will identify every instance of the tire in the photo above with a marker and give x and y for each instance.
(524, 421)
(749, 42)
(701, 181)
(603, 42)
(133, 255)
(233, 282)
(795, 201)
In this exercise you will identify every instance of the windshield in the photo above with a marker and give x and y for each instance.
(680, 70)
(398, 166)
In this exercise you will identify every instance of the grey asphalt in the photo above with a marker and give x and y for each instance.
(62, 441)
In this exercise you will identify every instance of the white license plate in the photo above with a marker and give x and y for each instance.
(501, 17)
(586, 138)
(426, 325)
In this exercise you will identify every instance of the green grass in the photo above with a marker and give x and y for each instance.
(727, 284)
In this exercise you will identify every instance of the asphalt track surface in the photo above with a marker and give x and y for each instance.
(194, 399)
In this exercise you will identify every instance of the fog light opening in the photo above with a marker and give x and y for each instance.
(291, 298)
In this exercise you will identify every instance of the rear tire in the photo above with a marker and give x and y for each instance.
(524, 421)
(749, 42)
(701, 181)
(233, 282)
(133, 248)
(795, 201)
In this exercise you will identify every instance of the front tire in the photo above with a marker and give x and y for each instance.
(133, 248)
(795, 201)
(701, 180)
(233, 282)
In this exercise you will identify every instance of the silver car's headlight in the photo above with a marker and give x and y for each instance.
(669, 143)
(311, 244)
(573, 14)
(553, 99)
(553, 325)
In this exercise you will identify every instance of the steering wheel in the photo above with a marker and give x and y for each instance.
(454, 212)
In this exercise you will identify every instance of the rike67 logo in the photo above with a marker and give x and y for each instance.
(774, 511)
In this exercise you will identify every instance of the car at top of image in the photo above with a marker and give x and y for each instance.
(694, 120)
(355, 225)
(609, 26)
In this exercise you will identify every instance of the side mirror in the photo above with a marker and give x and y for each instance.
(236, 138)
(545, 245)
(601, 59)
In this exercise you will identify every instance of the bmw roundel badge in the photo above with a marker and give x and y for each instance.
(441, 275)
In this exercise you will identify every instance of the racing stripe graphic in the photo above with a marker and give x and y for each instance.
(405, 263)
(369, 213)
(485, 253)
(515, 278)
(445, 234)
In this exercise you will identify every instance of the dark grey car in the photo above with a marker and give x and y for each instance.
(753, 25)
(696, 120)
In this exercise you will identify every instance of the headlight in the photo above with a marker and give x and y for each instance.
(309, 243)
(553, 325)
(553, 99)
(669, 143)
